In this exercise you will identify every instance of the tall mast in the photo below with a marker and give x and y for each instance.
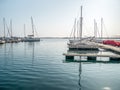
(78, 33)
(81, 22)
(11, 27)
(32, 26)
(4, 26)
(24, 31)
(95, 28)
(101, 27)
(74, 28)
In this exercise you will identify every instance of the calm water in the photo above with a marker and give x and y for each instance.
(41, 66)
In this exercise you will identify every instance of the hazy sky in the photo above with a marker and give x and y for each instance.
(56, 17)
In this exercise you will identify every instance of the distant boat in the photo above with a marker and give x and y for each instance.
(31, 38)
(10, 38)
(2, 41)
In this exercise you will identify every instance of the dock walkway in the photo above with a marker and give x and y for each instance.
(91, 55)
(109, 47)
(70, 56)
(114, 49)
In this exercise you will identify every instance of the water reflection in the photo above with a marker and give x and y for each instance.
(5, 55)
(80, 72)
(48, 72)
(81, 61)
(32, 46)
(10, 52)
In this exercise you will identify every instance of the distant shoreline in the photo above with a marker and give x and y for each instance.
(72, 38)
(68, 37)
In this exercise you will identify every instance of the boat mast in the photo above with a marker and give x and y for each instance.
(74, 29)
(24, 31)
(81, 22)
(32, 26)
(101, 27)
(11, 27)
(78, 29)
(95, 28)
(4, 26)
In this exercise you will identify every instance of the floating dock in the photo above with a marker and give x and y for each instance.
(91, 57)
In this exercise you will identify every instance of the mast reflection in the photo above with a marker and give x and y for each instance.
(80, 72)
(32, 46)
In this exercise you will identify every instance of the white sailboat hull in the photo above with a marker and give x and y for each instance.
(2, 41)
(31, 39)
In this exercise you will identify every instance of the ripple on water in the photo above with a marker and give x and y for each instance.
(40, 66)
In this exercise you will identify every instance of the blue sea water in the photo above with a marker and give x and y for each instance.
(41, 66)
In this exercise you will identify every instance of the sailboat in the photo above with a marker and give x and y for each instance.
(81, 43)
(31, 38)
(2, 41)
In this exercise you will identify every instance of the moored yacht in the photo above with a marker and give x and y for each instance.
(2, 41)
(80, 43)
(31, 38)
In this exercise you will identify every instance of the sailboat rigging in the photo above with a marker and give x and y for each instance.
(81, 43)
(31, 37)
